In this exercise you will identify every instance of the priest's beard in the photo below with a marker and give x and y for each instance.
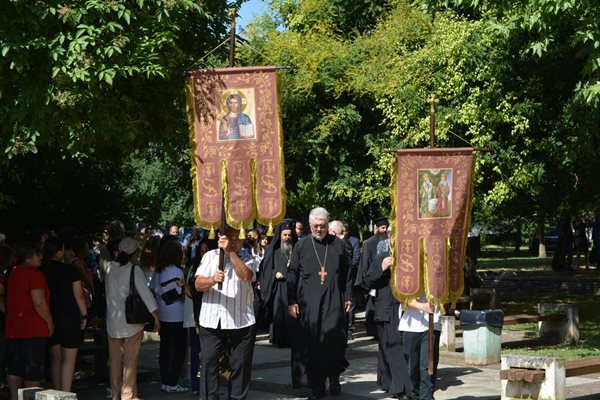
(287, 247)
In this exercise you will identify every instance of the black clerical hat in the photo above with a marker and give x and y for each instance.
(288, 224)
(381, 221)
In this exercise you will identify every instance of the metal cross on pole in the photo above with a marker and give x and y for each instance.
(433, 101)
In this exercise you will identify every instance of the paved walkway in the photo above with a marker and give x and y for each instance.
(271, 377)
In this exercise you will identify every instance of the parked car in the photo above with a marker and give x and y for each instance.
(550, 237)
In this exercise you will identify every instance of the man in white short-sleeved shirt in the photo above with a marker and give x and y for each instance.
(227, 315)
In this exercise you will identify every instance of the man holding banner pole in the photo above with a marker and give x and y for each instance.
(227, 315)
(428, 248)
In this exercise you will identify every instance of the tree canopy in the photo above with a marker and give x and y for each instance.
(102, 83)
(352, 94)
(90, 82)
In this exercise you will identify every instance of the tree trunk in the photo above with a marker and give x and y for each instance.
(541, 237)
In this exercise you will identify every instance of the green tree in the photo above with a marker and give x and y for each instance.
(87, 83)
(155, 188)
(320, 109)
(528, 107)
(99, 73)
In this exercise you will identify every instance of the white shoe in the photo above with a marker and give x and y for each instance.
(164, 388)
(176, 389)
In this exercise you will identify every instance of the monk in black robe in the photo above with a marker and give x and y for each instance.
(369, 251)
(273, 282)
(392, 371)
(319, 295)
(273, 275)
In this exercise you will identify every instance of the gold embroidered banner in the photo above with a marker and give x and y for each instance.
(237, 143)
(431, 197)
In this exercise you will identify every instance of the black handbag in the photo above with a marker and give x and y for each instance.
(136, 311)
(171, 297)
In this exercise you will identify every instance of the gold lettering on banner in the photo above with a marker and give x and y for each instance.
(267, 178)
(209, 189)
(209, 170)
(211, 209)
(270, 205)
(406, 256)
(238, 168)
(268, 167)
(436, 259)
(406, 266)
(268, 185)
(239, 183)
(440, 282)
(240, 207)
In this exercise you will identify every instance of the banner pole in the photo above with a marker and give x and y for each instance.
(433, 101)
(233, 15)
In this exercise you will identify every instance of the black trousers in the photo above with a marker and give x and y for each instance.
(212, 343)
(173, 343)
(416, 351)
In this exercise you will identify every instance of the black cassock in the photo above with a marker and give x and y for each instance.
(392, 371)
(320, 341)
(283, 324)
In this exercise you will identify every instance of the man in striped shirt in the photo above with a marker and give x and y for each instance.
(227, 315)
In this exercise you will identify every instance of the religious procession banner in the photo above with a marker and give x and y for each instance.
(431, 197)
(237, 145)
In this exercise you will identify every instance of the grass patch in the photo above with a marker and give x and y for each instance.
(498, 258)
(589, 321)
(501, 258)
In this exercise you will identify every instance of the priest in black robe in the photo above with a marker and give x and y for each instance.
(392, 371)
(273, 283)
(319, 295)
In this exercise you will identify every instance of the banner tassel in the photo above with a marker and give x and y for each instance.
(242, 235)
(211, 234)
(270, 230)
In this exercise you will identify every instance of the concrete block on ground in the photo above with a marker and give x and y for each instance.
(560, 330)
(28, 393)
(482, 344)
(55, 395)
(552, 387)
(448, 333)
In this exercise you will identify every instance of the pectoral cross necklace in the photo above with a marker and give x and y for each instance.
(322, 273)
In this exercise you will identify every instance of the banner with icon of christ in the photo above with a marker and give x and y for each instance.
(237, 145)
(431, 195)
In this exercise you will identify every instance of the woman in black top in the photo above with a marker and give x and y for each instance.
(69, 311)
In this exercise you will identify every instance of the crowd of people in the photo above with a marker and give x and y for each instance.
(208, 299)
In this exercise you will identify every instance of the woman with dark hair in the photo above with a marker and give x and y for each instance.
(124, 339)
(262, 244)
(168, 286)
(28, 319)
(69, 311)
(149, 255)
